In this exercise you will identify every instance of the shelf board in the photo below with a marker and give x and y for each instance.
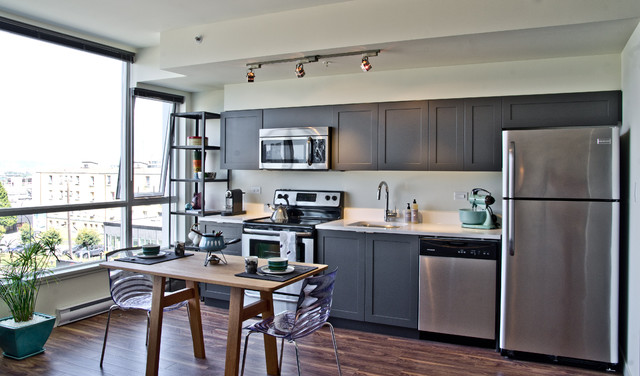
(186, 180)
(197, 115)
(197, 213)
(195, 147)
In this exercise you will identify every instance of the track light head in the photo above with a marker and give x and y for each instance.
(250, 75)
(366, 65)
(300, 70)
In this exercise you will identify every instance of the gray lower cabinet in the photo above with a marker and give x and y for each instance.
(239, 139)
(560, 110)
(377, 278)
(403, 136)
(229, 231)
(355, 137)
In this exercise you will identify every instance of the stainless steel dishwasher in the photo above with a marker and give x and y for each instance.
(458, 287)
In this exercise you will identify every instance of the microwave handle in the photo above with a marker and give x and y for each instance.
(309, 150)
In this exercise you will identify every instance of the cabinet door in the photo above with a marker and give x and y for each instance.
(345, 250)
(446, 127)
(311, 116)
(355, 137)
(229, 231)
(392, 265)
(403, 136)
(482, 134)
(559, 110)
(239, 139)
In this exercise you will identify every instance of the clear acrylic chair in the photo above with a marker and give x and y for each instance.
(130, 290)
(312, 312)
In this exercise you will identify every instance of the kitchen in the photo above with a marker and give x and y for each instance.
(602, 70)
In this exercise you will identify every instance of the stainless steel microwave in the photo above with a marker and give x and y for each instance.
(300, 148)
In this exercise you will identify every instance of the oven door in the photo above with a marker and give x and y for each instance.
(265, 244)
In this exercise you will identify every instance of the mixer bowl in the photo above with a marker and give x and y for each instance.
(472, 217)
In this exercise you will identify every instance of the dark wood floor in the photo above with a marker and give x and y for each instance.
(74, 349)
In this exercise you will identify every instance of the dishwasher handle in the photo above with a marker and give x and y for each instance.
(460, 248)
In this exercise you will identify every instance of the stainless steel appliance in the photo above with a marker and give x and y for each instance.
(457, 286)
(233, 202)
(560, 242)
(305, 209)
(301, 148)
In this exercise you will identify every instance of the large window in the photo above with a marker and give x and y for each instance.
(70, 164)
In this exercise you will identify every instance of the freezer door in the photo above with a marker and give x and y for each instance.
(559, 292)
(573, 163)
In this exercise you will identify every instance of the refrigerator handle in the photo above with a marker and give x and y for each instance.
(509, 203)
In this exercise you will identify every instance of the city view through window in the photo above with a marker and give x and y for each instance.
(62, 137)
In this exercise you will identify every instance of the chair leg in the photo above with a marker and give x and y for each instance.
(244, 353)
(281, 353)
(146, 341)
(297, 356)
(335, 347)
(106, 332)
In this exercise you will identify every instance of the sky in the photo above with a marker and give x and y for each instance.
(65, 110)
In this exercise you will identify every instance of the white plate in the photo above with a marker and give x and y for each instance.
(265, 269)
(160, 254)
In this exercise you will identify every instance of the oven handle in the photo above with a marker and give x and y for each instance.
(267, 232)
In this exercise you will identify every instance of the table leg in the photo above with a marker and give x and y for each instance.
(195, 321)
(270, 344)
(155, 326)
(236, 304)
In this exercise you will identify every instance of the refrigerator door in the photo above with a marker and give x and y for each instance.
(560, 280)
(571, 163)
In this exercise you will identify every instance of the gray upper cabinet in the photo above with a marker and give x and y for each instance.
(239, 139)
(355, 137)
(403, 136)
(482, 134)
(446, 142)
(312, 116)
(558, 110)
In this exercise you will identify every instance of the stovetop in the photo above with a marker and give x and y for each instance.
(305, 209)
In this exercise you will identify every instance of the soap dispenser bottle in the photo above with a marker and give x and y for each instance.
(407, 214)
(414, 212)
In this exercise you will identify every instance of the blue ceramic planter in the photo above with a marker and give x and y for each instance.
(26, 341)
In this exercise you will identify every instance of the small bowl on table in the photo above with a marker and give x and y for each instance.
(278, 264)
(150, 249)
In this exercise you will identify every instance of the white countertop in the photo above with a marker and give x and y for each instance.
(420, 229)
(442, 224)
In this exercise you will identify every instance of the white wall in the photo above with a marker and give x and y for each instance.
(432, 190)
(631, 127)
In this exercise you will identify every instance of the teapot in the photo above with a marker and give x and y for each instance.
(279, 214)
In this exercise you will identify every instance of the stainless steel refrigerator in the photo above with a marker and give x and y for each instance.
(559, 283)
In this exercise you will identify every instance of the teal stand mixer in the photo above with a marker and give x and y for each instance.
(480, 216)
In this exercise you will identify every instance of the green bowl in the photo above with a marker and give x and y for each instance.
(150, 249)
(472, 217)
(278, 263)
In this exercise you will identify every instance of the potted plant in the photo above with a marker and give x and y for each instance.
(25, 332)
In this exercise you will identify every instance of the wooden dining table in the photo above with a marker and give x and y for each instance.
(192, 271)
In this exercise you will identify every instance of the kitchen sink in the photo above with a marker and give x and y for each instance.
(376, 224)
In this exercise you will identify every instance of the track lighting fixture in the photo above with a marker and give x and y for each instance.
(366, 65)
(300, 70)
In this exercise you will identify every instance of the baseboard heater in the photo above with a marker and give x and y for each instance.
(82, 311)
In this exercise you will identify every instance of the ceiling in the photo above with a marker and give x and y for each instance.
(138, 24)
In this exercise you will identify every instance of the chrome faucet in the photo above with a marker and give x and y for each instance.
(387, 213)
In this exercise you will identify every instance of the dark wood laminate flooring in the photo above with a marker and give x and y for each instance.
(74, 349)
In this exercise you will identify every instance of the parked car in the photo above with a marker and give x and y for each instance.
(86, 253)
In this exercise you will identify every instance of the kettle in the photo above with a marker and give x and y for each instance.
(279, 214)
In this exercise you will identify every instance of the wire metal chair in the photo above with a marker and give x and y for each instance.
(130, 290)
(312, 312)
